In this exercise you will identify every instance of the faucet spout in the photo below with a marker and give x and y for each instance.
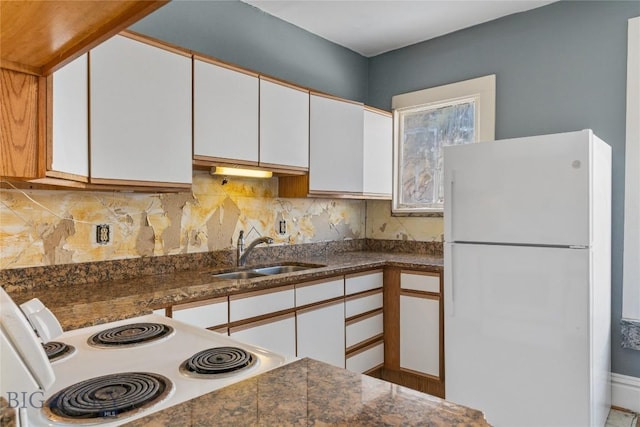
(244, 253)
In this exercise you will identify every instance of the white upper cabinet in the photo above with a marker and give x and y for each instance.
(284, 125)
(378, 153)
(225, 113)
(336, 130)
(70, 121)
(140, 106)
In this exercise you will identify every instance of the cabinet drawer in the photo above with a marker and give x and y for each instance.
(363, 304)
(309, 293)
(204, 314)
(245, 306)
(362, 282)
(426, 282)
(275, 333)
(364, 329)
(367, 359)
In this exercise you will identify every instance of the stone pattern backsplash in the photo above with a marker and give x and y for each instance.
(55, 227)
(52, 227)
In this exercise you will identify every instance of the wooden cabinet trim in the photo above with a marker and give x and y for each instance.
(420, 374)
(207, 161)
(261, 320)
(364, 346)
(200, 303)
(336, 98)
(363, 294)
(364, 273)
(224, 64)
(320, 281)
(156, 43)
(23, 123)
(421, 272)
(420, 294)
(378, 111)
(283, 83)
(258, 292)
(133, 183)
(284, 169)
(362, 316)
(315, 306)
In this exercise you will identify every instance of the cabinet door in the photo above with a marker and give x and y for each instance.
(321, 333)
(335, 145)
(20, 148)
(225, 113)
(420, 334)
(70, 119)
(284, 125)
(140, 104)
(366, 359)
(277, 334)
(205, 314)
(378, 153)
(260, 303)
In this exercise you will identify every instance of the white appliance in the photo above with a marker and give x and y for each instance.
(28, 379)
(527, 279)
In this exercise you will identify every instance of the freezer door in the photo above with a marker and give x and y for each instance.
(527, 190)
(517, 333)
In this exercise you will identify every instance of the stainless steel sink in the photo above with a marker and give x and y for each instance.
(270, 270)
(281, 269)
(237, 275)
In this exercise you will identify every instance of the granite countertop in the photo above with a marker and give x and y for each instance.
(87, 304)
(311, 393)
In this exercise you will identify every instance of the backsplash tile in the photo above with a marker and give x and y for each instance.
(54, 227)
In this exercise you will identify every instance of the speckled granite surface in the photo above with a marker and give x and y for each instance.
(82, 303)
(311, 393)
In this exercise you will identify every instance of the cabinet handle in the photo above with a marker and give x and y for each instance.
(449, 282)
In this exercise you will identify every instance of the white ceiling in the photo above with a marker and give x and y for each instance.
(372, 27)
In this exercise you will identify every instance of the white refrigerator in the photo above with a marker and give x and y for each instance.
(527, 279)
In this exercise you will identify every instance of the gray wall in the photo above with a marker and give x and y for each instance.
(561, 67)
(558, 68)
(243, 35)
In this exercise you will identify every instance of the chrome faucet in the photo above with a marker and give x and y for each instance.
(243, 253)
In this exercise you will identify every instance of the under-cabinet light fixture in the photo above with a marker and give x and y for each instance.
(232, 171)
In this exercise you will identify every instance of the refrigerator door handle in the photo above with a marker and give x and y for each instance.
(449, 283)
(448, 206)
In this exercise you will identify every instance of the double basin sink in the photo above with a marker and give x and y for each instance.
(271, 270)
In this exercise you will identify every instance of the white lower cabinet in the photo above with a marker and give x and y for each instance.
(364, 328)
(367, 358)
(420, 334)
(260, 303)
(205, 314)
(277, 334)
(321, 333)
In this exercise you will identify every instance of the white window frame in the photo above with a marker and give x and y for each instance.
(482, 90)
(631, 269)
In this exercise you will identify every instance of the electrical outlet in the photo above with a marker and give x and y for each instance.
(282, 227)
(103, 234)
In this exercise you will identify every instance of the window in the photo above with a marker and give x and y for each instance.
(631, 273)
(427, 120)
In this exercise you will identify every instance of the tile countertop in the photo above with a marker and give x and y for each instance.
(82, 305)
(312, 393)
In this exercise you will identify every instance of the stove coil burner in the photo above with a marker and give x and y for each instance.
(111, 396)
(56, 350)
(128, 335)
(216, 361)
